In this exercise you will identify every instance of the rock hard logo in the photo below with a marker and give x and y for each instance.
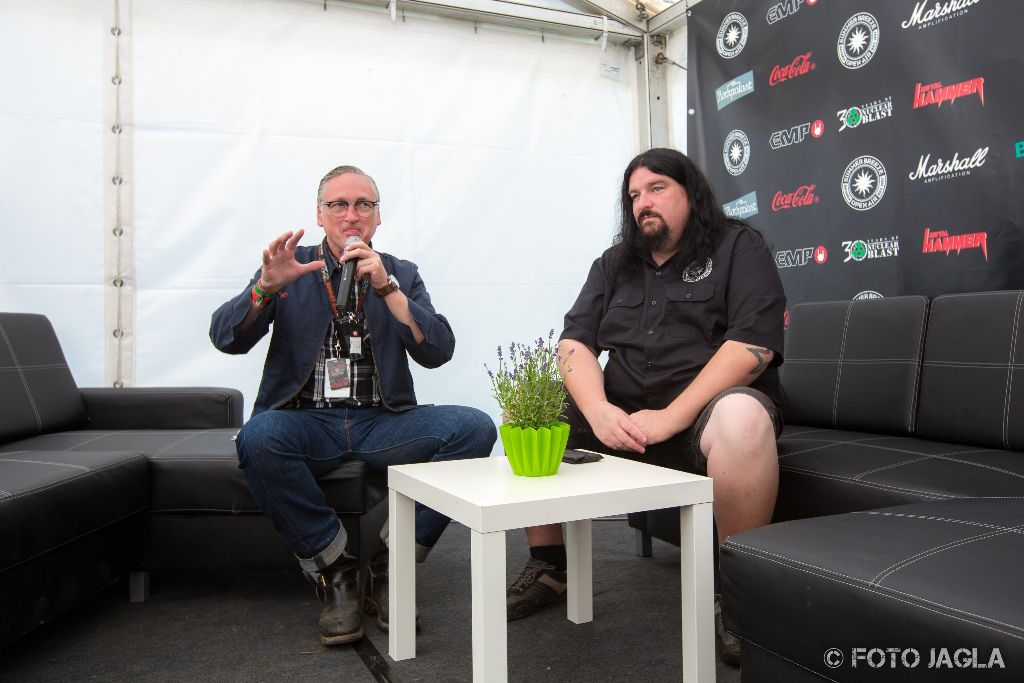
(742, 208)
(940, 241)
(732, 35)
(852, 117)
(786, 8)
(867, 295)
(879, 247)
(736, 152)
(796, 134)
(801, 196)
(858, 40)
(922, 17)
(936, 93)
(738, 87)
(795, 258)
(864, 182)
(801, 65)
(950, 168)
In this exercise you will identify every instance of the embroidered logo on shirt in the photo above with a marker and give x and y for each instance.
(695, 273)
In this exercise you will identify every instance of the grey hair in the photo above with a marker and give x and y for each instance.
(342, 170)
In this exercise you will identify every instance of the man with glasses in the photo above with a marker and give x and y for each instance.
(336, 387)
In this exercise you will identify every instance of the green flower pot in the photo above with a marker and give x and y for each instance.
(534, 452)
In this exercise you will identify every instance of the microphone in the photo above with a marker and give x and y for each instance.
(347, 272)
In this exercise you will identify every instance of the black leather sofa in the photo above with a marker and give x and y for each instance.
(899, 526)
(900, 516)
(100, 484)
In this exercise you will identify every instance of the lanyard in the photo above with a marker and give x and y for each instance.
(331, 298)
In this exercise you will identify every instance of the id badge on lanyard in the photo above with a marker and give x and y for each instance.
(337, 371)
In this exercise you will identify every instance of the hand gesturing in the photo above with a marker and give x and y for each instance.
(279, 265)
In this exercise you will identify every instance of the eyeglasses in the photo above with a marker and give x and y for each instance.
(339, 208)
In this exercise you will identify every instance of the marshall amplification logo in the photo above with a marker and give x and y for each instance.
(742, 208)
(864, 182)
(865, 113)
(879, 247)
(801, 196)
(800, 65)
(858, 40)
(786, 8)
(922, 17)
(796, 134)
(940, 241)
(733, 90)
(732, 35)
(950, 168)
(736, 152)
(795, 258)
(936, 93)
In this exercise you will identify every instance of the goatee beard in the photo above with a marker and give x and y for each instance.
(657, 240)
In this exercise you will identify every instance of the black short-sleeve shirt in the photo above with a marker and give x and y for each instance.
(660, 329)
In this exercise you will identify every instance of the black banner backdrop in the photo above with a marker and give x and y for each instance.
(878, 144)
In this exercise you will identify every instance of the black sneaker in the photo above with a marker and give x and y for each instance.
(728, 644)
(540, 584)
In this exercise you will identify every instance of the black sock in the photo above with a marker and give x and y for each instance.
(552, 554)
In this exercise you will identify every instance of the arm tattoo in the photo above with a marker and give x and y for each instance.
(763, 357)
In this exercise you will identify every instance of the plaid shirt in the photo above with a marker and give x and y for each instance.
(365, 391)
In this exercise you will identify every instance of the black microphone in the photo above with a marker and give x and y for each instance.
(347, 272)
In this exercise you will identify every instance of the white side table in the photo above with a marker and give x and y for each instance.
(484, 495)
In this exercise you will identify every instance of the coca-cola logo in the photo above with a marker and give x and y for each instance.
(801, 196)
(800, 65)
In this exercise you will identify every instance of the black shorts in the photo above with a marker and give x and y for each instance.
(680, 452)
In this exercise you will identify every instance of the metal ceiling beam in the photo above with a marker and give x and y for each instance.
(622, 11)
(670, 19)
(520, 16)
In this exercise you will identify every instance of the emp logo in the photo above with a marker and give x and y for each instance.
(1019, 147)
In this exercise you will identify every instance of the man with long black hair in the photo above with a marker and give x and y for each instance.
(689, 306)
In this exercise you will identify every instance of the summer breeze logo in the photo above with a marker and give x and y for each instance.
(941, 241)
(732, 35)
(922, 17)
(786, 8)
(736, 152)
(936, 93)
(852, 117)
(864, 182)
(858, 40)
(801, 196)
(944, 170)
(879, 247)
(735, 89)
(744, 207)
(800, 65)
(796, 134)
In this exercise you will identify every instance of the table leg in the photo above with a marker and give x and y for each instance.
(401, 576)
(490, 631)
(695, 522)
(580, 571)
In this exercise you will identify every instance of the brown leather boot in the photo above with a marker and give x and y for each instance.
(341, 620)
(377, 590)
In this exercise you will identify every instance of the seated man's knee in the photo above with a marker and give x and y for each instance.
(256, 438)
(739, 418)
(480, 427)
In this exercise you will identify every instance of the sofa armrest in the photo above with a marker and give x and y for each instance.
(163, 407)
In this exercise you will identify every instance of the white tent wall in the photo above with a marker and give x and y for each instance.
(498, 153)
(675, 75)
(51, 171)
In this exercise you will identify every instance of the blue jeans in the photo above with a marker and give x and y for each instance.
(282, 452)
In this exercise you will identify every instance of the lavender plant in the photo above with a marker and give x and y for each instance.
(528, 384)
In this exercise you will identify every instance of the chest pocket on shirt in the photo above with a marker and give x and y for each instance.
(622, 319)
(689, 313)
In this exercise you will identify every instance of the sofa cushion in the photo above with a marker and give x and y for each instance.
(854, 364)
(825, 471)
(50, 498)
(923, 576)
(972, 379)
(196, 471)
(39, 392)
